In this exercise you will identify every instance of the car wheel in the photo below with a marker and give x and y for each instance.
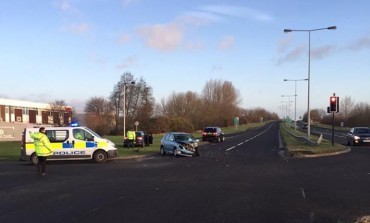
(174, 152)
(100, 156)
(218, 140)
(223, 138)
(34, 159)
(162, 151)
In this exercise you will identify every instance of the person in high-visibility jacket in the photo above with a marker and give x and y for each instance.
(43, 149)
(131, 136)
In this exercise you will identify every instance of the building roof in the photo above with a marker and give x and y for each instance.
(19, 103)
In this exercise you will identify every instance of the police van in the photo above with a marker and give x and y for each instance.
(70, 143)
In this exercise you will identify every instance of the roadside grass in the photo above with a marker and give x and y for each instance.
(297, 147)
(11, 150)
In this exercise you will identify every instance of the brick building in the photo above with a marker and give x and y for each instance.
(16, 111)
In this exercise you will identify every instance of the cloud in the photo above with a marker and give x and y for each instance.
(359, 44)
(284, 43)
(123, 39)
(164, 37)
(65, 6)
(292, 55)
(236, 11)
(226, 43)
(77, 28)
(129, 61)
(321, 52)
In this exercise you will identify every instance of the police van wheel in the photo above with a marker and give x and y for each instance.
(34, 159)
(100, 156)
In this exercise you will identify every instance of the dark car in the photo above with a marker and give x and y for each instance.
(142, 139)
(305, 126)
(179, 144)
(358, 135)
(213, 134)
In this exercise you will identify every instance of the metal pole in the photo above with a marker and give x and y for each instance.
(124, 110)
(295, 106)
(309, 80)
(332, 131)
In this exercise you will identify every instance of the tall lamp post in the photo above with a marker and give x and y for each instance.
(288, 101)
(309, 64)
(124, 106)
(295, 99)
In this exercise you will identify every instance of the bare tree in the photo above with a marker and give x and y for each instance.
(99, 115)
(58, 109)
(220, 100)
(346, 107)
(360, 115)
(185, 105)
(139, 101)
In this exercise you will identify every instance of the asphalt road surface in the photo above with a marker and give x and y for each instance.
(244, 179)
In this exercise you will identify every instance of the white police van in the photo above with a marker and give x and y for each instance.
(70, 143)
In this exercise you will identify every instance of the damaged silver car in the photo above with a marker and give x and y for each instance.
(179, 144)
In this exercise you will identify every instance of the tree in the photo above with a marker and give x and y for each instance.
(60, 112)
(220, 100)
(316, 115)
(360, 115)
(139, 101)
(186, 105)
(346, 107)
(99, 115)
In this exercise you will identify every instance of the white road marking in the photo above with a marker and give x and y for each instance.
(231, 148)
(249, 139)
(303, 193)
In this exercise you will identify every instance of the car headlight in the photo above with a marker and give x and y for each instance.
(356, 137)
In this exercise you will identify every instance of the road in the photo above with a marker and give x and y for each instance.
(244, 179)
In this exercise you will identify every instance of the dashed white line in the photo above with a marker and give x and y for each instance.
(303, 193)
(240, 143)
(231, 148)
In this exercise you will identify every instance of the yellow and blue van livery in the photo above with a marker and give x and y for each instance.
(74, 143)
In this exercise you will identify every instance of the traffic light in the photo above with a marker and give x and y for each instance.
(334, 104)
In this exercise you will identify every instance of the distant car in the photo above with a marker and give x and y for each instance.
(358, 135)
(213, 134)
(140, 140)
(305, 126)
(179, 144)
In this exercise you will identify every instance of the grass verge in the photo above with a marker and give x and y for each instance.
(296, 147)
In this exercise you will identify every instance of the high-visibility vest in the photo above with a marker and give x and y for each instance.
(42, 144)
(131, 135)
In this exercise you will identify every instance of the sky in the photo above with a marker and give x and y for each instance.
(74, 50)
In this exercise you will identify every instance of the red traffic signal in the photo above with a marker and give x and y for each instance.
(334, 104)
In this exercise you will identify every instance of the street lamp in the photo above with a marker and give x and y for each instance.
(309, 64)
(288, 101)
(295, 99)
(124, 106)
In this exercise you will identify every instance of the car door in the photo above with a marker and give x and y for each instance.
(83, 143)
(169, 140)
(59, 142)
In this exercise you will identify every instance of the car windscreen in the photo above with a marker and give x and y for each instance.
(210, 130)
(183, 137)
(362, 131)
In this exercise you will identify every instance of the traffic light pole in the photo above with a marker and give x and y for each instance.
(332, 131)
